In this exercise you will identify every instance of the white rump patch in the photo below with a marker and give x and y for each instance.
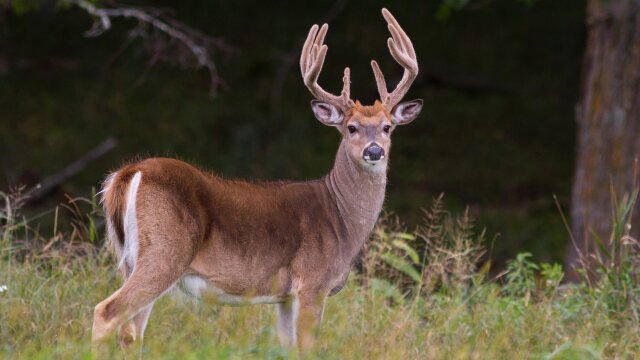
(130, 224)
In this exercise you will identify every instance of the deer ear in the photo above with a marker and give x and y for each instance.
(327, 113)
(406, 112)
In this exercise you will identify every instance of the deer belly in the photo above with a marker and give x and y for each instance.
(201, 288)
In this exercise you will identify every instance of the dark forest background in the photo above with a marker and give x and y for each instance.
(500, 80)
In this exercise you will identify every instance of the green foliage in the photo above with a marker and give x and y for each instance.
(447, 7)
(21, 7)
(402, 265)
(47, 300)
(441, 254)
(551, 274)
(521, 275)
(618, 260)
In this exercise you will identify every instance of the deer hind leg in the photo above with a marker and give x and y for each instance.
(156, 269)
(134, 300)
(127, 332)
(133, 330)
(158, 246)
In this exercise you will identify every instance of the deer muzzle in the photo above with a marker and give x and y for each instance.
(373, 153)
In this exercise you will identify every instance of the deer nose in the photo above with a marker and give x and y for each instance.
(373, 152)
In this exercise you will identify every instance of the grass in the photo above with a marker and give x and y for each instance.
(415, 295)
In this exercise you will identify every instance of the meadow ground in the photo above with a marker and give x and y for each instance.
(413, 295)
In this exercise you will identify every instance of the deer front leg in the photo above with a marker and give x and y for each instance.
(287, 314)
(311, 308)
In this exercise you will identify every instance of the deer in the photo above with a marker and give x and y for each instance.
(290, 243)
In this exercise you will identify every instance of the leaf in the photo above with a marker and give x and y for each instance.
(92, 230)
(411, 252)
(484, 270)
(405, 236)
(601, 244)
(523, 256)
(401, 265)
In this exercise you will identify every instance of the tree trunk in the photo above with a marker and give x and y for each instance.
(608, 118)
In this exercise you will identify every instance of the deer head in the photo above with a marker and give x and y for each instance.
(366, 130)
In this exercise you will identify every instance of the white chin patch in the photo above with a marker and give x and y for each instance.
(375, 165)
(368, 160)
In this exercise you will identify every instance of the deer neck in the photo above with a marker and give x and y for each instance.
(358, 195)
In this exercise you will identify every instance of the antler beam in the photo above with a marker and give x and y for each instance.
(402, 51)
(311, 61)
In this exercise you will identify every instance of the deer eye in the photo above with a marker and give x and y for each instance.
(386, 128)
(351, 129)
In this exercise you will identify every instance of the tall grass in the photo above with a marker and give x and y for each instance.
(420, 294)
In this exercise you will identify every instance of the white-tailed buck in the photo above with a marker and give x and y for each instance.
(288, 243)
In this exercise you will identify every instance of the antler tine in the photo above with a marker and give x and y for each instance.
(346, 88)
(311, 60)
(402, 51)
(404, 37)
(380, 82)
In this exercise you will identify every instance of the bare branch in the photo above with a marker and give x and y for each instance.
(199, 45)
(50, 183)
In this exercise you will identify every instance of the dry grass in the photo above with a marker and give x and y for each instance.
(400, 305)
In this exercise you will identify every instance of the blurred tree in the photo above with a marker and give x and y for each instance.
(608, 118)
